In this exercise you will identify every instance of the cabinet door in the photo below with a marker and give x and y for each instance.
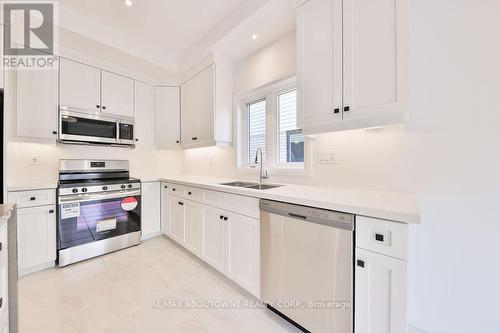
(167, 108)
(36, 235)
(193, 227)
(375, 57)
(79, 86)
(205, 114)
(117, 96)
(36, 103)
(380, 293)
(319, 50)
(214, 238)
(144, 117)
(165, 209)
(176, 218)
(150, 209)
(189, 107)
(243, 264)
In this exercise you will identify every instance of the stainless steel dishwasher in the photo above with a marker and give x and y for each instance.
(307, 265)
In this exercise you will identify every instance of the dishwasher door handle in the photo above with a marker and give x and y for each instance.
(297, 216)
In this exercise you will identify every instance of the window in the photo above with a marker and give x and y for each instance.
(291, 140)
(256, 119)
(268, 120)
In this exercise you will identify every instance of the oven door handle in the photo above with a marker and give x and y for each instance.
(98, 196)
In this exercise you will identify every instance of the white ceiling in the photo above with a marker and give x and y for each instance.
(160, 31)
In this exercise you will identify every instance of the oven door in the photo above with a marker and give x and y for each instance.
(126, 132)
(75, 126)
(87, 218)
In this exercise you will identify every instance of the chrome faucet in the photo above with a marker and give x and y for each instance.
(263, 173)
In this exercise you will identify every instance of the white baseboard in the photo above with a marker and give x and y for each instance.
(413, 329)
(37, 268)
(156, 234)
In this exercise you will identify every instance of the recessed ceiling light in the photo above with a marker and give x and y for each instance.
(254, 36)
(128, 3)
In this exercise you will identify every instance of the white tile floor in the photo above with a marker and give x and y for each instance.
(113, 293)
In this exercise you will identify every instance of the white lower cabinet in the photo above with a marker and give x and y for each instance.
(176, 218)
(227, 241)
(150, 210)
(243, 262)
(380, 280)
(36, 232)
(214, 238)
(193, 227)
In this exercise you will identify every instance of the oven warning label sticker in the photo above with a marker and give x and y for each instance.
(70, 210)
(129, 203)
(105, 224)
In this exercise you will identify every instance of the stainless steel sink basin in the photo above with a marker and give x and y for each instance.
(263, 186)
(255, 186)
(240, 184)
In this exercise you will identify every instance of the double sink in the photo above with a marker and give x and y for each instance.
(255, 186)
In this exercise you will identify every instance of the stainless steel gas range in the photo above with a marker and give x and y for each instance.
(98, 209)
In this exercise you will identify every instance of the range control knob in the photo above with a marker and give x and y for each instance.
(104, 188)
(84, 189)
(130, 186)
(75, 190)
(123, 186)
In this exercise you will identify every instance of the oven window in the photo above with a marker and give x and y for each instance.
(86, 222)
(72, 125)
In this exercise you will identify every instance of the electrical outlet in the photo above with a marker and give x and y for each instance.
(35, 160)
(327, 157)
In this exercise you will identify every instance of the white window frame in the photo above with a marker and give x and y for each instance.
(270, 93)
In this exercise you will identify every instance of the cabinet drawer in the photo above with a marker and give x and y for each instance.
(25, 199)
(235, 203)
(193, 193)
(380, 236)
(174, 188)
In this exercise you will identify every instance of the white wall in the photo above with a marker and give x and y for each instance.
(447, 153)
(144, 163)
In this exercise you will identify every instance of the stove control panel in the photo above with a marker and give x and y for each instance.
(99, 188)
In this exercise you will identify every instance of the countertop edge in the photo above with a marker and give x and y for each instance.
(395, 216)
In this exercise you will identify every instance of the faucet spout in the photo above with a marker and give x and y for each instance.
(263, 173)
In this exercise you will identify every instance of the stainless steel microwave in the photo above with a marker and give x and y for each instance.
(95, 128)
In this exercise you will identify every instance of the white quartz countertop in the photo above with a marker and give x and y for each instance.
(384, 205)
(31, 187)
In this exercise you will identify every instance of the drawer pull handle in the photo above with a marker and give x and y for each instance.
(189, 193)
(166, 186)
(297, 216)
(51, 211)
(221, 217)
(225, 218)
(173, 189)
(1, 246)
(379, 238)
(1, 302)
(361, 263)
(33, 198)
(180, 203)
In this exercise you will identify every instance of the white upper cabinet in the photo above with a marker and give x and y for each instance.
(36, 103)
(167, 110)
(352, 64)
(79, 86)
(375, 58)
(319, 49)
(117, 96)
(206, 105)
(144, 115)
